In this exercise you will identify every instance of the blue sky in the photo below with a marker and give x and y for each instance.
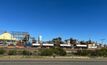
(81, 19)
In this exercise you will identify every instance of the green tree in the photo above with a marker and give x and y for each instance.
(73, 41)
(57, 41)
(82, 42)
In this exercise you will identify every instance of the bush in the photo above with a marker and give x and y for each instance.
(2, 51)
(102, 52)
(51, 51)
(46, 52)
(59, 51)
(12, 52)
(83, 52)
(36, 53)
(25, 52)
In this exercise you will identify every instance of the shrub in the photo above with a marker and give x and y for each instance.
(12, 52)
(51, 51)
(25, 52)
(46, 52)
(83, 52)
(59, 51)
(102, 52)
(37, 53)
(2, 51)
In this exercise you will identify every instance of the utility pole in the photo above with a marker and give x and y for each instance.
(102, 41)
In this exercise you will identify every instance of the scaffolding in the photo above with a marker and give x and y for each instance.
(19, 35)
(22, 39)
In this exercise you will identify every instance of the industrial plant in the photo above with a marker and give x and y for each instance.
(25, 40)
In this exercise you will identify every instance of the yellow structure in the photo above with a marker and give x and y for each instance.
(6, 36)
